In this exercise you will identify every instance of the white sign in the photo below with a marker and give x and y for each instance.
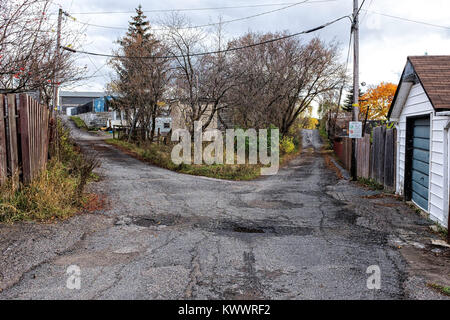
(355, 130)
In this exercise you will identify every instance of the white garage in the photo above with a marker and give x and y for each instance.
(421, 109)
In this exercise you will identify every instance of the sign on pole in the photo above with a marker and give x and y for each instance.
(355, 130)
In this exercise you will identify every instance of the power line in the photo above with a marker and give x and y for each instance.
(360, 7)
(199, 26)
(365, 14)
(97, 69)
(209, 24)
(213, 52)
(197, 9)
(346, 68)
(408, 20)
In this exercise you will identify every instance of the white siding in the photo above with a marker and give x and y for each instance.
(418, 104)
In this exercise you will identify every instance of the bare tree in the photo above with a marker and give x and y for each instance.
(27, 49)
(281, 79)
(200, 82)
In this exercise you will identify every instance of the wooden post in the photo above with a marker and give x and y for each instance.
(355, 114)
(25, 129)
(3, 156)
(12, 126)
(389, 159)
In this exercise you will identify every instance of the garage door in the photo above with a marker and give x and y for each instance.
(421, 162)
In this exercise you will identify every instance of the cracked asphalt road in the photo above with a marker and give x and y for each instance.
(301, 234)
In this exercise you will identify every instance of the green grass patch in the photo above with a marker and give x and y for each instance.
(160, 155)
(371, 184)
(442, 289)
(79, 123)
(441, 230)
(57, 193)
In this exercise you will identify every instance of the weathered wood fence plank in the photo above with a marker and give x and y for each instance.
(13, 148)
(23, 137)
(389, 159)
(3, 151)
(376, 156)
(363, 156)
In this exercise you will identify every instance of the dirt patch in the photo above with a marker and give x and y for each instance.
(330, 165)
(95, 202)
(381, 196)
(430, 265)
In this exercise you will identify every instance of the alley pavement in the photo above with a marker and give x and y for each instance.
(301, 234)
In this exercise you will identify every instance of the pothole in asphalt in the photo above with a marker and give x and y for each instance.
(221, 226)
(156, 221)
(263, 227)
(248, 230)
(263, 204)
(150, 221)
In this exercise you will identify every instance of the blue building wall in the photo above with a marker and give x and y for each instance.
(100, 104)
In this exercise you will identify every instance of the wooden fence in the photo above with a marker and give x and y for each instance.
(375, 154)
(24, 137)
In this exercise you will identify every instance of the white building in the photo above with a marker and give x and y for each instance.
(421, 108)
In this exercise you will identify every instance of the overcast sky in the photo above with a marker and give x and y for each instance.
(385, 42)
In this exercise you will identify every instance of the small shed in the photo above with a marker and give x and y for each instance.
(421, 110)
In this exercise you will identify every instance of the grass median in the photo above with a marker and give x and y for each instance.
(79, 123)
(160, 155)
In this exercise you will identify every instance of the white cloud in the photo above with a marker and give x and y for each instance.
(385, 42)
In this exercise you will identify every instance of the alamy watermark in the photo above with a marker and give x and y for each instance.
(73, 282)
(374, 280)
(256, 144)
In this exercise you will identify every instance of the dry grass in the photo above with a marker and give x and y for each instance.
(330, 164)
(160, 155)
(49, 196)
(57, 193)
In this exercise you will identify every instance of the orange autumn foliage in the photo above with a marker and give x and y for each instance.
(378, 100)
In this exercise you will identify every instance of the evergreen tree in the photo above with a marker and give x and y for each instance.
(139, 26)
(140, 82)
(348, 102)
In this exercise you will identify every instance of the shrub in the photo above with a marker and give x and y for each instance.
(57, 193)
(287, 145)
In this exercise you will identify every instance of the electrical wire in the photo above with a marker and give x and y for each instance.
(200, 26)
(197, 9)
(97, 69)
(346, 68)
(360, 7)
(366, 11)
(212, 52)
(408, 20)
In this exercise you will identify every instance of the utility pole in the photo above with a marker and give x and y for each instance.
(355, 115)
(57, 60)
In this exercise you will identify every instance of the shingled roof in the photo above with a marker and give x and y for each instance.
(434, 75)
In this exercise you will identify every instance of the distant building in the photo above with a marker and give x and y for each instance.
(70, 99)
